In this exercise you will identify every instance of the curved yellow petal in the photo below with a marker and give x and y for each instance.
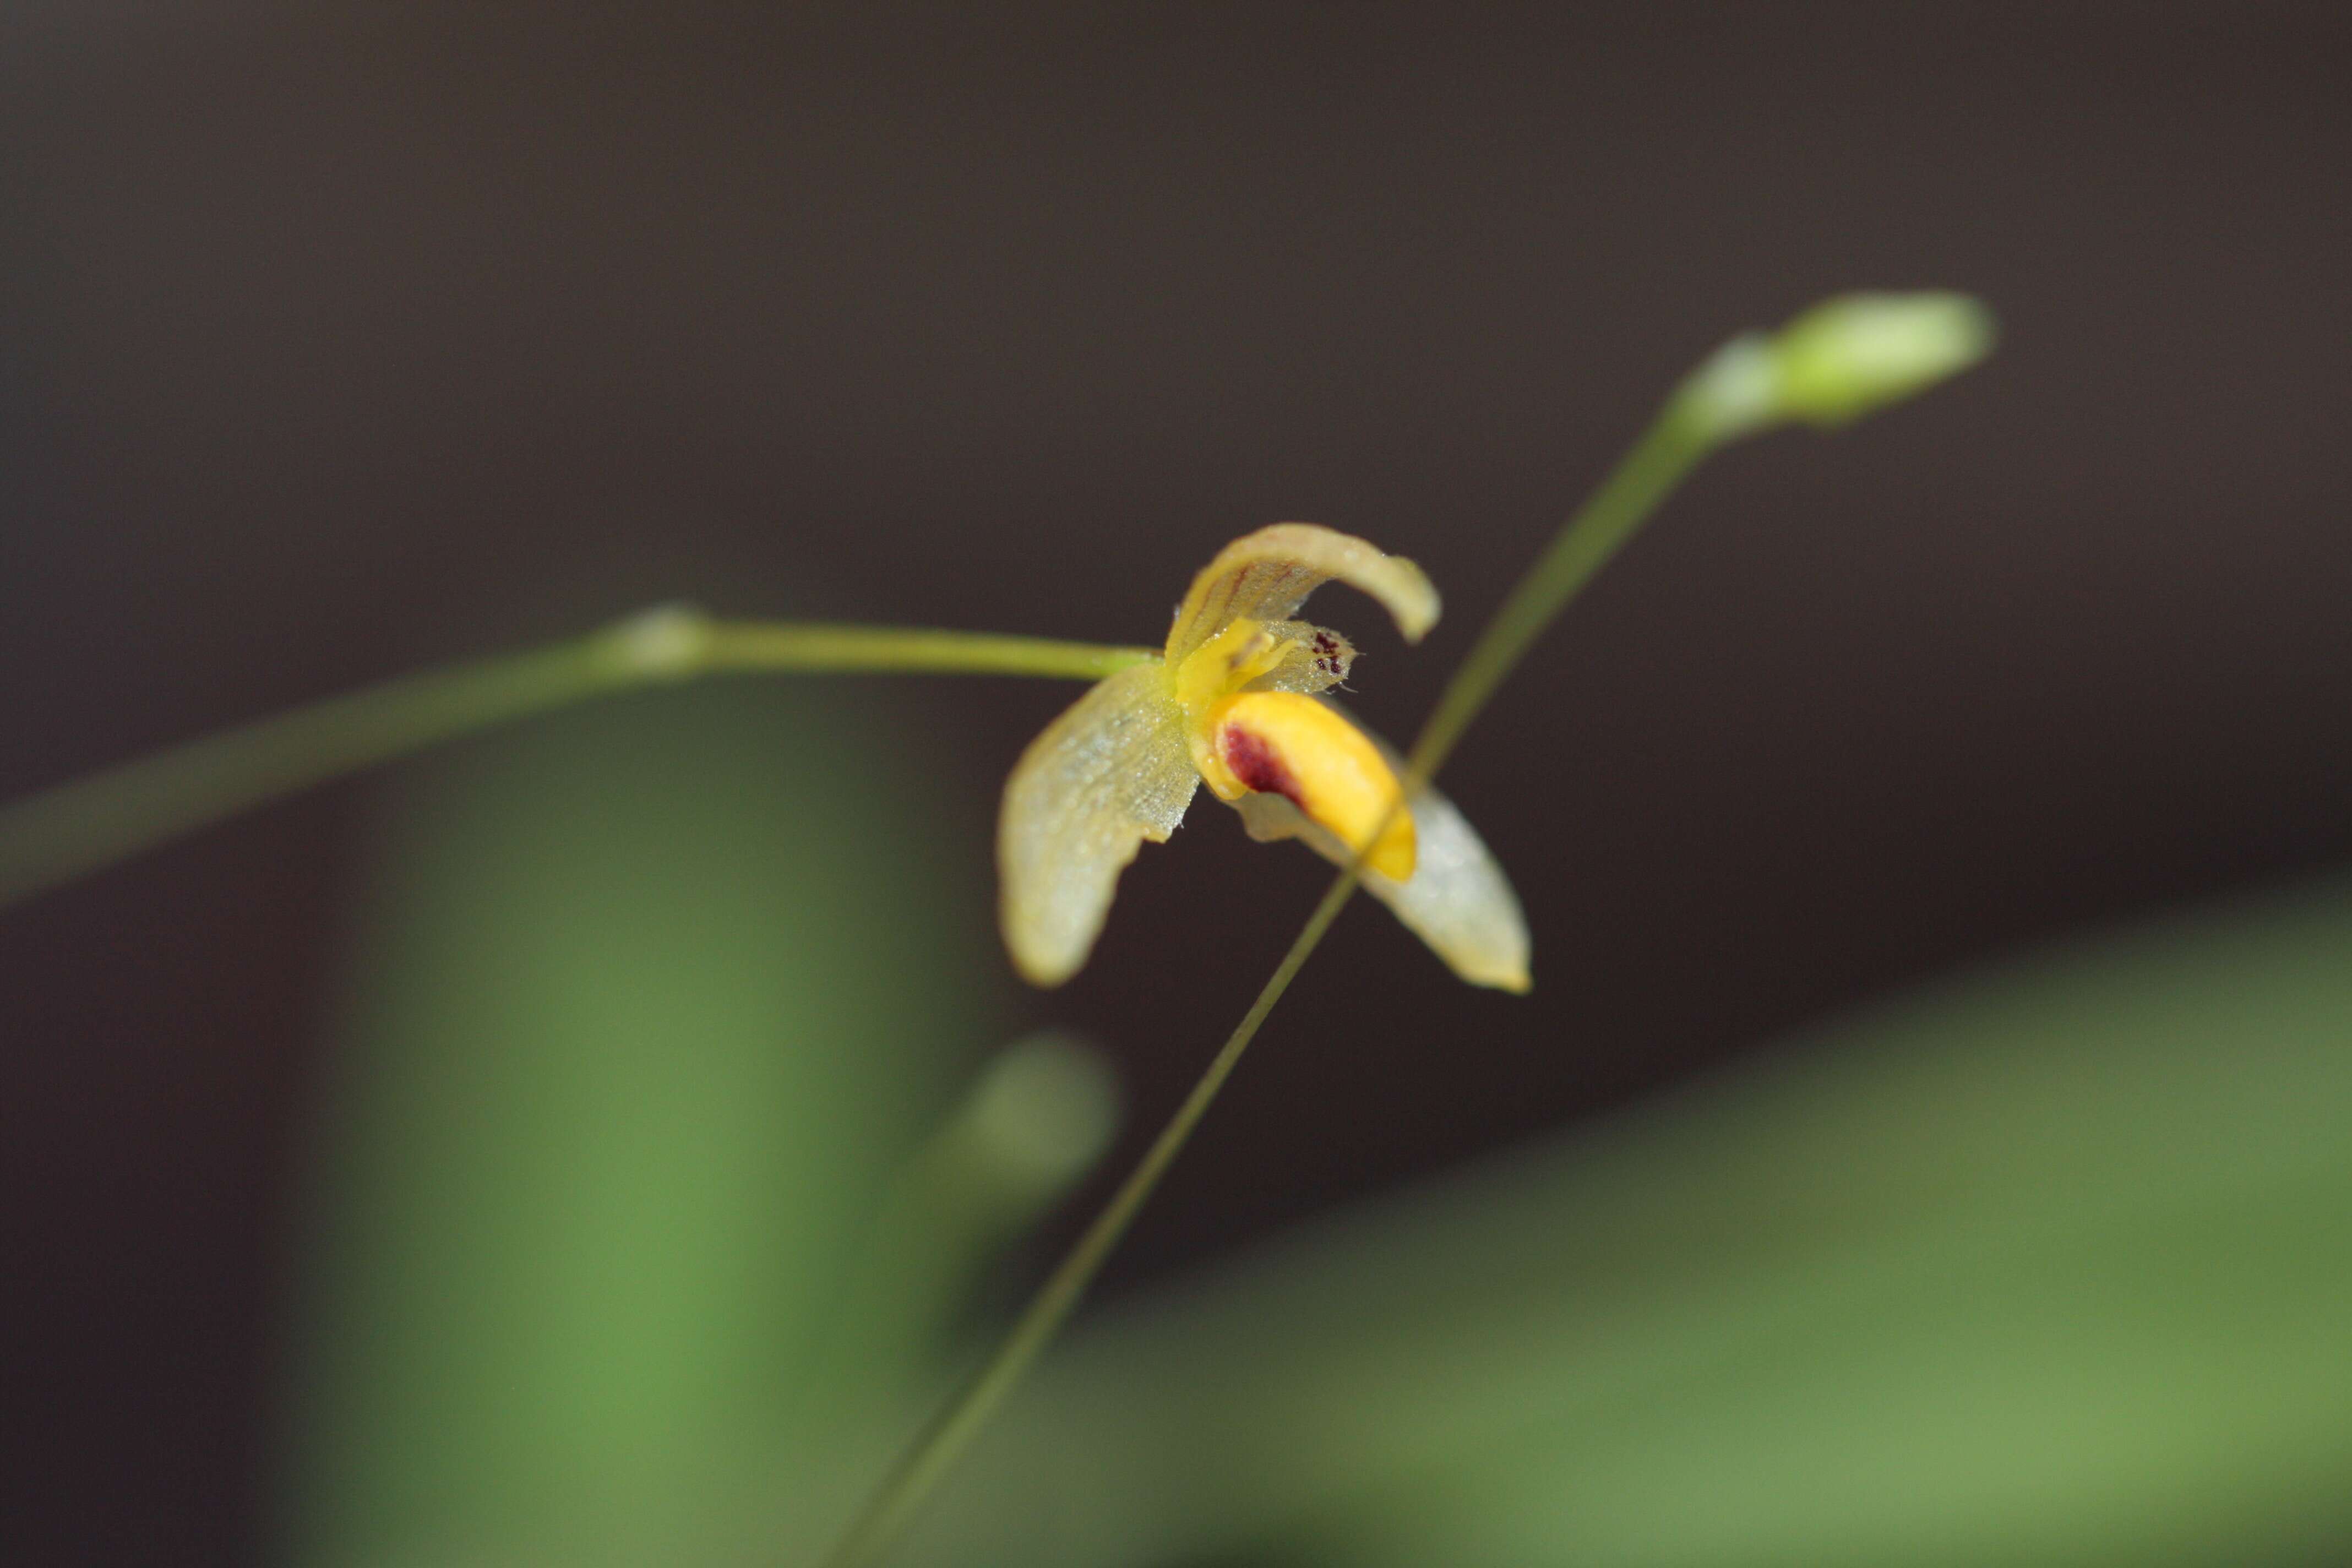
(1291, 746)
(1457, 900)
(1267, 575)
(1110, 773)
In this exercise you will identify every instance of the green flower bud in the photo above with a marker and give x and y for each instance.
(1859, 353)
(1845, 358)
(1042, 1115)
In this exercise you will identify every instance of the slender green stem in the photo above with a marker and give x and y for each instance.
(771, 646)
(944, 1438)
(79, 828)
(1633, 491)
(1672, 446)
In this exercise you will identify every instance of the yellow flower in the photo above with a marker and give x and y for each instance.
(1235, 701)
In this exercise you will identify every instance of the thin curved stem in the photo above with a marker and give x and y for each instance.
(943, 1439)
(79, 828)
(1674, 443)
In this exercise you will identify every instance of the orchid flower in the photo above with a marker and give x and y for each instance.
(1236, 701)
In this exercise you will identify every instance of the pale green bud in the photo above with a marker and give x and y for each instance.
(1044, 1113)
(1859, 353)
(668, 642)
(1845, 358)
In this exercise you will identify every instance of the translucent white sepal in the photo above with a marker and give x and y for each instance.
(1457, 900)
(1110, 773)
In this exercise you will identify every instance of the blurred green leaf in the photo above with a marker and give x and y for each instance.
(2053, 1267)
(655, 998)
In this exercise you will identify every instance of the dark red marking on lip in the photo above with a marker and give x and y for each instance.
(1260, 767)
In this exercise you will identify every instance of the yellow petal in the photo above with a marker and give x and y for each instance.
(1457, 900)
(1110, 773)
(1267, 575)
(1292, 747)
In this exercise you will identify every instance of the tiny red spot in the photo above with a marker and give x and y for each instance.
(1259, 766)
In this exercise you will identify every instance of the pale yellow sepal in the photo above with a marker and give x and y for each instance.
(1267, 575)
(1110, 773)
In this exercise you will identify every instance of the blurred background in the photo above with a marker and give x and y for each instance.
(591, 1141)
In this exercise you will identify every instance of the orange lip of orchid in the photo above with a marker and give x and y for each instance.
(1237, 702)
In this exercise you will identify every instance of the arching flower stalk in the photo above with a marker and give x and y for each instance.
(1238, 700)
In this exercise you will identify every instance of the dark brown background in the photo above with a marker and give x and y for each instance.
(336, 340)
